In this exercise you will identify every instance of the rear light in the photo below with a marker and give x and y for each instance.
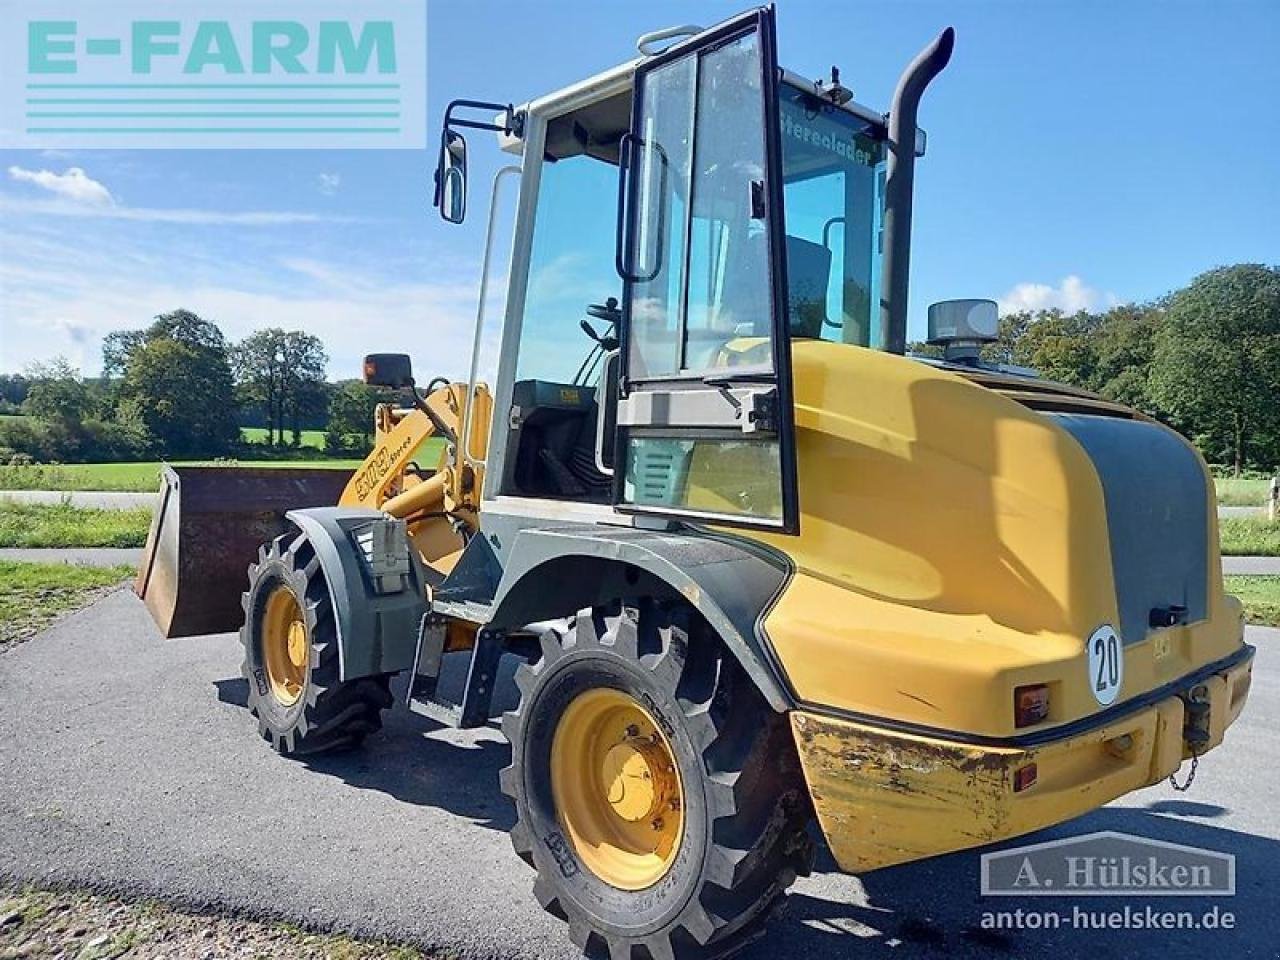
(1030, 704)
(1024, 777)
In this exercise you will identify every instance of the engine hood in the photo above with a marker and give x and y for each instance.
(973, 530)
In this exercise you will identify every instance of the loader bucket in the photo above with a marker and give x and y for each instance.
(206, 531)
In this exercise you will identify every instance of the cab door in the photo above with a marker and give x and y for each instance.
(705, 428)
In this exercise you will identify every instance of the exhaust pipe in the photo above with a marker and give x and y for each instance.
(899, 179)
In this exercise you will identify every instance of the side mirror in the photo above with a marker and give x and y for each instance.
(451, 177)
(393, 370)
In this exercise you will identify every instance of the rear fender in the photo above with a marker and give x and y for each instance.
(730, 581)
(377, 626)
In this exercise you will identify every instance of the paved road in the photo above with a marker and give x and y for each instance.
(80, 556)
(104, 500)
(1267, 565)
(98, 500)
(129, 763)
(1241, 511)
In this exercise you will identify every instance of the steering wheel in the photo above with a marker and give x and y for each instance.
(607, 311)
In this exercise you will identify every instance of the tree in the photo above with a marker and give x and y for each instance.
(304, 387)
(282, 373)
(1216, 365)
(13, 390)
(58, 394)
(1125, 347)
(177, 387)
(351, 414)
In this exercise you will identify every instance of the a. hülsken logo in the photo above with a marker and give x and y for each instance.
(1105, 864)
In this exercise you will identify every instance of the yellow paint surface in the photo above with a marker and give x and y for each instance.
(884, 798)
(953, 545)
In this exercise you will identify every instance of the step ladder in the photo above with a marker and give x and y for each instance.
(424, 697)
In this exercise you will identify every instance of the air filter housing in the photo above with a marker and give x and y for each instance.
(963, 327)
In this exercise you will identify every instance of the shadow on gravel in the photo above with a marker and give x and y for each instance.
(1188, 808)
(234, 692)
(416, 760)
(934, 908)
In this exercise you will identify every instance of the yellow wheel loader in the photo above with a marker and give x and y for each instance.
(761, 567)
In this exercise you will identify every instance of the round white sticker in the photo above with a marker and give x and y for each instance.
(1106, 665)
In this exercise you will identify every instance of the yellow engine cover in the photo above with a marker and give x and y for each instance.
(953, 544)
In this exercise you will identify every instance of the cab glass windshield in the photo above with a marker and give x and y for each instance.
(833, 187)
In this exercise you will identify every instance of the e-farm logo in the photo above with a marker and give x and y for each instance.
(213, 73)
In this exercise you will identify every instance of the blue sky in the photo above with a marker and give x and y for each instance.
(1079, 154)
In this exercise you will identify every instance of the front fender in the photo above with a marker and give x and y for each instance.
(377, 632)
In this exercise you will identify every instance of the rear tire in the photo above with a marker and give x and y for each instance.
(291, 657)
(744, 808)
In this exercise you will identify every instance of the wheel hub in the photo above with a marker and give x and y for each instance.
(617, 789)
(286, 649)
(637, 778)
(298, 643)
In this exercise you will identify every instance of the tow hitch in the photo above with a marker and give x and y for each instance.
(1195, 732)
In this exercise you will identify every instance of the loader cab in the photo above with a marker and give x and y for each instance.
(661, 186)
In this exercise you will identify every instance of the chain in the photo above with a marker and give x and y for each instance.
(1191, 776)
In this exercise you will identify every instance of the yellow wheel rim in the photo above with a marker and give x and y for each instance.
(286, 650)
(617, 789)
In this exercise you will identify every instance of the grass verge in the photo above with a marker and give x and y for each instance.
(1249, 537)
(33, 595)
(1260, 596)
(62, 525)
(1240, 492)
(127, 477)
(46, 923)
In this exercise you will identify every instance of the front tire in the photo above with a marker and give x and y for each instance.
(291, 657)
(657, 794)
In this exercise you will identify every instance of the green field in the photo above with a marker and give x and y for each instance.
(1260, 596)
(135, 477)
(61, 525)
(1233, 492)
(32, 595)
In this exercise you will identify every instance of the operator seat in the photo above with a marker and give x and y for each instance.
(808, 276)
(553, 441)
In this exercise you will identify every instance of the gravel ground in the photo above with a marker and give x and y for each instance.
(130, 765)
(51, 924)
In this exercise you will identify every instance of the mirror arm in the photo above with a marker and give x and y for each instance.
(513, 119)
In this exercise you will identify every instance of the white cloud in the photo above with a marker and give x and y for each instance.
(328, 183)
(238, 218)
(48, 310)
(1070, 296)
(73, 184)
